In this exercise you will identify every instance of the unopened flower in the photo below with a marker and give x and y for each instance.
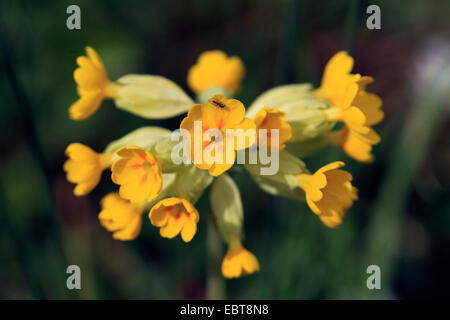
(270, 119)
(174, 216)
(329, 192)
(238, 261)
(120, 217)
(358, 109)
(138, 173)
(217, 114)
(214, 68)
(93, 85)
(84, 167)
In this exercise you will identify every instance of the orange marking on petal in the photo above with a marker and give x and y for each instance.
(206, 143)
(263, 123)
(143, 157)
(220, 124)
(144, 178)
(136, 166)
(169, 208)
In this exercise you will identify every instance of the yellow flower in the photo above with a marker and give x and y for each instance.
(336, 77)
(174, 216)
(329, 192)
(138, 173)
(364, 111)
(214, 68)
(218, 113)
(358, 109)
(93, 85)
(120, 217)
(273, 119)
(238, 261)
(84, 167)
(357, 146)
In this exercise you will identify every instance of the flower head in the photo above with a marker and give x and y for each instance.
(358, 109)
(174, 216)
(120, 217)
(93, 85)
(138, 173)
(329, 192)
(84, 167)
(218, 114)
(214, 68)
(238, 261)
(270, 119)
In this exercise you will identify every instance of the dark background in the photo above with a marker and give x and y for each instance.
(401, 221)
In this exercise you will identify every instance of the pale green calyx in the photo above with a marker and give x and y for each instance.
(307, 118)
(151, 97)
(284, 182)
(277, 96)
(145, 137)
(227, 208)
(190, 182)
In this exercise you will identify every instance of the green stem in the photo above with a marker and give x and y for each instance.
(288, 46)
(351, 25)
(215, 282)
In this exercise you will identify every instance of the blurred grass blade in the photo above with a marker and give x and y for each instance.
(422, 124)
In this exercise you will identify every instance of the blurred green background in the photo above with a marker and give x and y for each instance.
(401, 221)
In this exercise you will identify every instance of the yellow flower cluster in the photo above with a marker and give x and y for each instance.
(149, 181)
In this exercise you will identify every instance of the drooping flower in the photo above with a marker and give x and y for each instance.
(120, 217)
(238, 261)
(174, 216)
(138, 173)
(358, 109)
(356, 145)
(217, 115)
(360, 113)
(214, 68)
(329, 192)
(84, 167)
(93, 85)
(270, 119)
